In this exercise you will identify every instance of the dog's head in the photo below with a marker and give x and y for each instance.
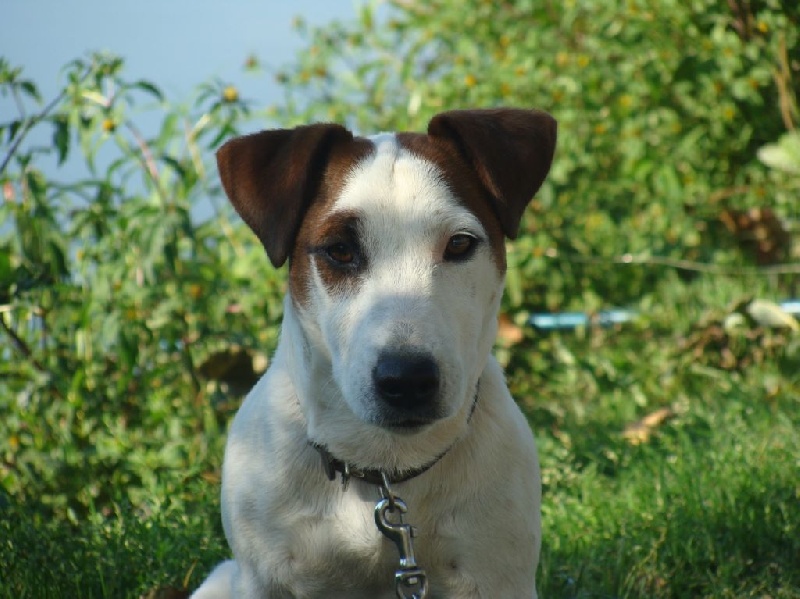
(396, 246)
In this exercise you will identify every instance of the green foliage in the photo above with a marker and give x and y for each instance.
(661, 105)
(124, 554)
(135, 311)
(784, 155)
(116, 293)
(706, 510)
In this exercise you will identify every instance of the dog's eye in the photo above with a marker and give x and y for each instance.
(341, 253)
(459, 247)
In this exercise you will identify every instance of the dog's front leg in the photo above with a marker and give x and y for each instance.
(230, 581)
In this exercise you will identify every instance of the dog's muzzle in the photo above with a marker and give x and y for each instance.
(408, 386)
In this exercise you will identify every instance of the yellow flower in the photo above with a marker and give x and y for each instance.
(109, 126)
(470, 80)
(230, 94)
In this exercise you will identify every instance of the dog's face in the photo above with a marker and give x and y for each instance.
(396, 249)
(397, 279)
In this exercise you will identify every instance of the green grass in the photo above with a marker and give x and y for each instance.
(707, 506)
(709, 509)
(126, 554)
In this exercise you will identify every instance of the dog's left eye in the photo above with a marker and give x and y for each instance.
(459, 247)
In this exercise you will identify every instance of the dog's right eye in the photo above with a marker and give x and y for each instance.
(341, 253)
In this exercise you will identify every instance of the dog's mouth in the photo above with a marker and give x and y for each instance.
(406, 425)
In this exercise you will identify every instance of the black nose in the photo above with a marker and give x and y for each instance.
(406, 381)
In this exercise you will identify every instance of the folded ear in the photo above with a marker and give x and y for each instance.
(510, 149)
(271, 177)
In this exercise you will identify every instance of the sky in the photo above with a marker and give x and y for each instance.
(175, 43)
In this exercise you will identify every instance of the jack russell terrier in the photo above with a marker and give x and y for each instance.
(383, 375)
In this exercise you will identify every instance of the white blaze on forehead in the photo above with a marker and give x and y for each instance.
(406, 189)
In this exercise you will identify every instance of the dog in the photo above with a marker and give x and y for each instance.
(383, 375)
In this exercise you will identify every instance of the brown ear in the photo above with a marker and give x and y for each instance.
(271, 176)
(511, 150)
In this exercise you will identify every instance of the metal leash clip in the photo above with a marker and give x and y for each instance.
(411, 582)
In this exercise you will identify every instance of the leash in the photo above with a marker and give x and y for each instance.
(410, 580)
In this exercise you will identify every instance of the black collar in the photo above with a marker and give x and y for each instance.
(331, 465)
(373, 476)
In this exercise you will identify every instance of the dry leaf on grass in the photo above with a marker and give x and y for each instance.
(639, 432)
(508, 333)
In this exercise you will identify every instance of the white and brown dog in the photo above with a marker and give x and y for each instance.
(396, 246)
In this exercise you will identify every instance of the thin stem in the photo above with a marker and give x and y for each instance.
(690, 265)
(25, 350)
(34, 120)
(20, 104)
(147, 159)
(20, 344)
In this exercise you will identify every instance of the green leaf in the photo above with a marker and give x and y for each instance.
(58, 258)
(30, 89)
(225, 132)
(176, 165)
(37, 184)
(150, 88)
(783, 156)
(6, 275)
(61, 137)
(13, 128)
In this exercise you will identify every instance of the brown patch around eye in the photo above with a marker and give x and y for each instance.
(337, 253)
(318, 227)
(463, 182)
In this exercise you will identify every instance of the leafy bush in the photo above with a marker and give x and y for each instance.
(661, 108)
(122, 309)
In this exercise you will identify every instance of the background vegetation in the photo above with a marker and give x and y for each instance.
(135, 310)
